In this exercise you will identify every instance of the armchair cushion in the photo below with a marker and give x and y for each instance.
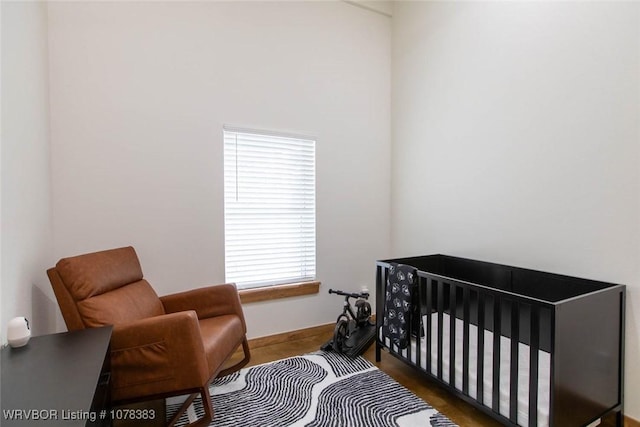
(221, 335)
(99, 272)
(128, 303)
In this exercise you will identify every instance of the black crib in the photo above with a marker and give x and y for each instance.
(566, 333)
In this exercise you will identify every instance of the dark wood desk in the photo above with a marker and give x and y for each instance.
(58, 380)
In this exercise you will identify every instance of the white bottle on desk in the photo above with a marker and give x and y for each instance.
(18, 332)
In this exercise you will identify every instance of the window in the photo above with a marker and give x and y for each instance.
(269, 208)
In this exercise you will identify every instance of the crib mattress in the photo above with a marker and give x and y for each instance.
(544, 368)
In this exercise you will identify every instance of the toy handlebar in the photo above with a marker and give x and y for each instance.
(364, 295)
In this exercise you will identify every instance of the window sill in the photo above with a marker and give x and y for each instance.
(268, 293)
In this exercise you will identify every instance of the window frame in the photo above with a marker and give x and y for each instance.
(284, 286)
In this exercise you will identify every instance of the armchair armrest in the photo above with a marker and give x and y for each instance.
(157, 355)
(209, 301)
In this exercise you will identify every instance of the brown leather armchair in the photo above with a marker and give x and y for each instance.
(161, 346)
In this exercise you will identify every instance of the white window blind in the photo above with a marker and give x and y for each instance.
(269, 208)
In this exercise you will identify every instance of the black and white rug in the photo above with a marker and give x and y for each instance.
(321, 389)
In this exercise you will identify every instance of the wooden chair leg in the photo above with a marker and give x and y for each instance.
(206, 405)
(182, 410)
(241, 364)
(208, 408)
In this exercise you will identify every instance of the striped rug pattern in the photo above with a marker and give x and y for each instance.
(322, 389)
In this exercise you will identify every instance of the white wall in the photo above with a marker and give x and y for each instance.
(139, 94)
(516, 139)
(378, 6)
(25, 171)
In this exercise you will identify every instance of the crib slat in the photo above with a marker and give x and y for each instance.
(515, 342)
(480, 355)
(496, 354)
(534, 346)
(452, 334)
(418, 299)
(380, 292)
(440, 321)
(429, 317)
(465, 341)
